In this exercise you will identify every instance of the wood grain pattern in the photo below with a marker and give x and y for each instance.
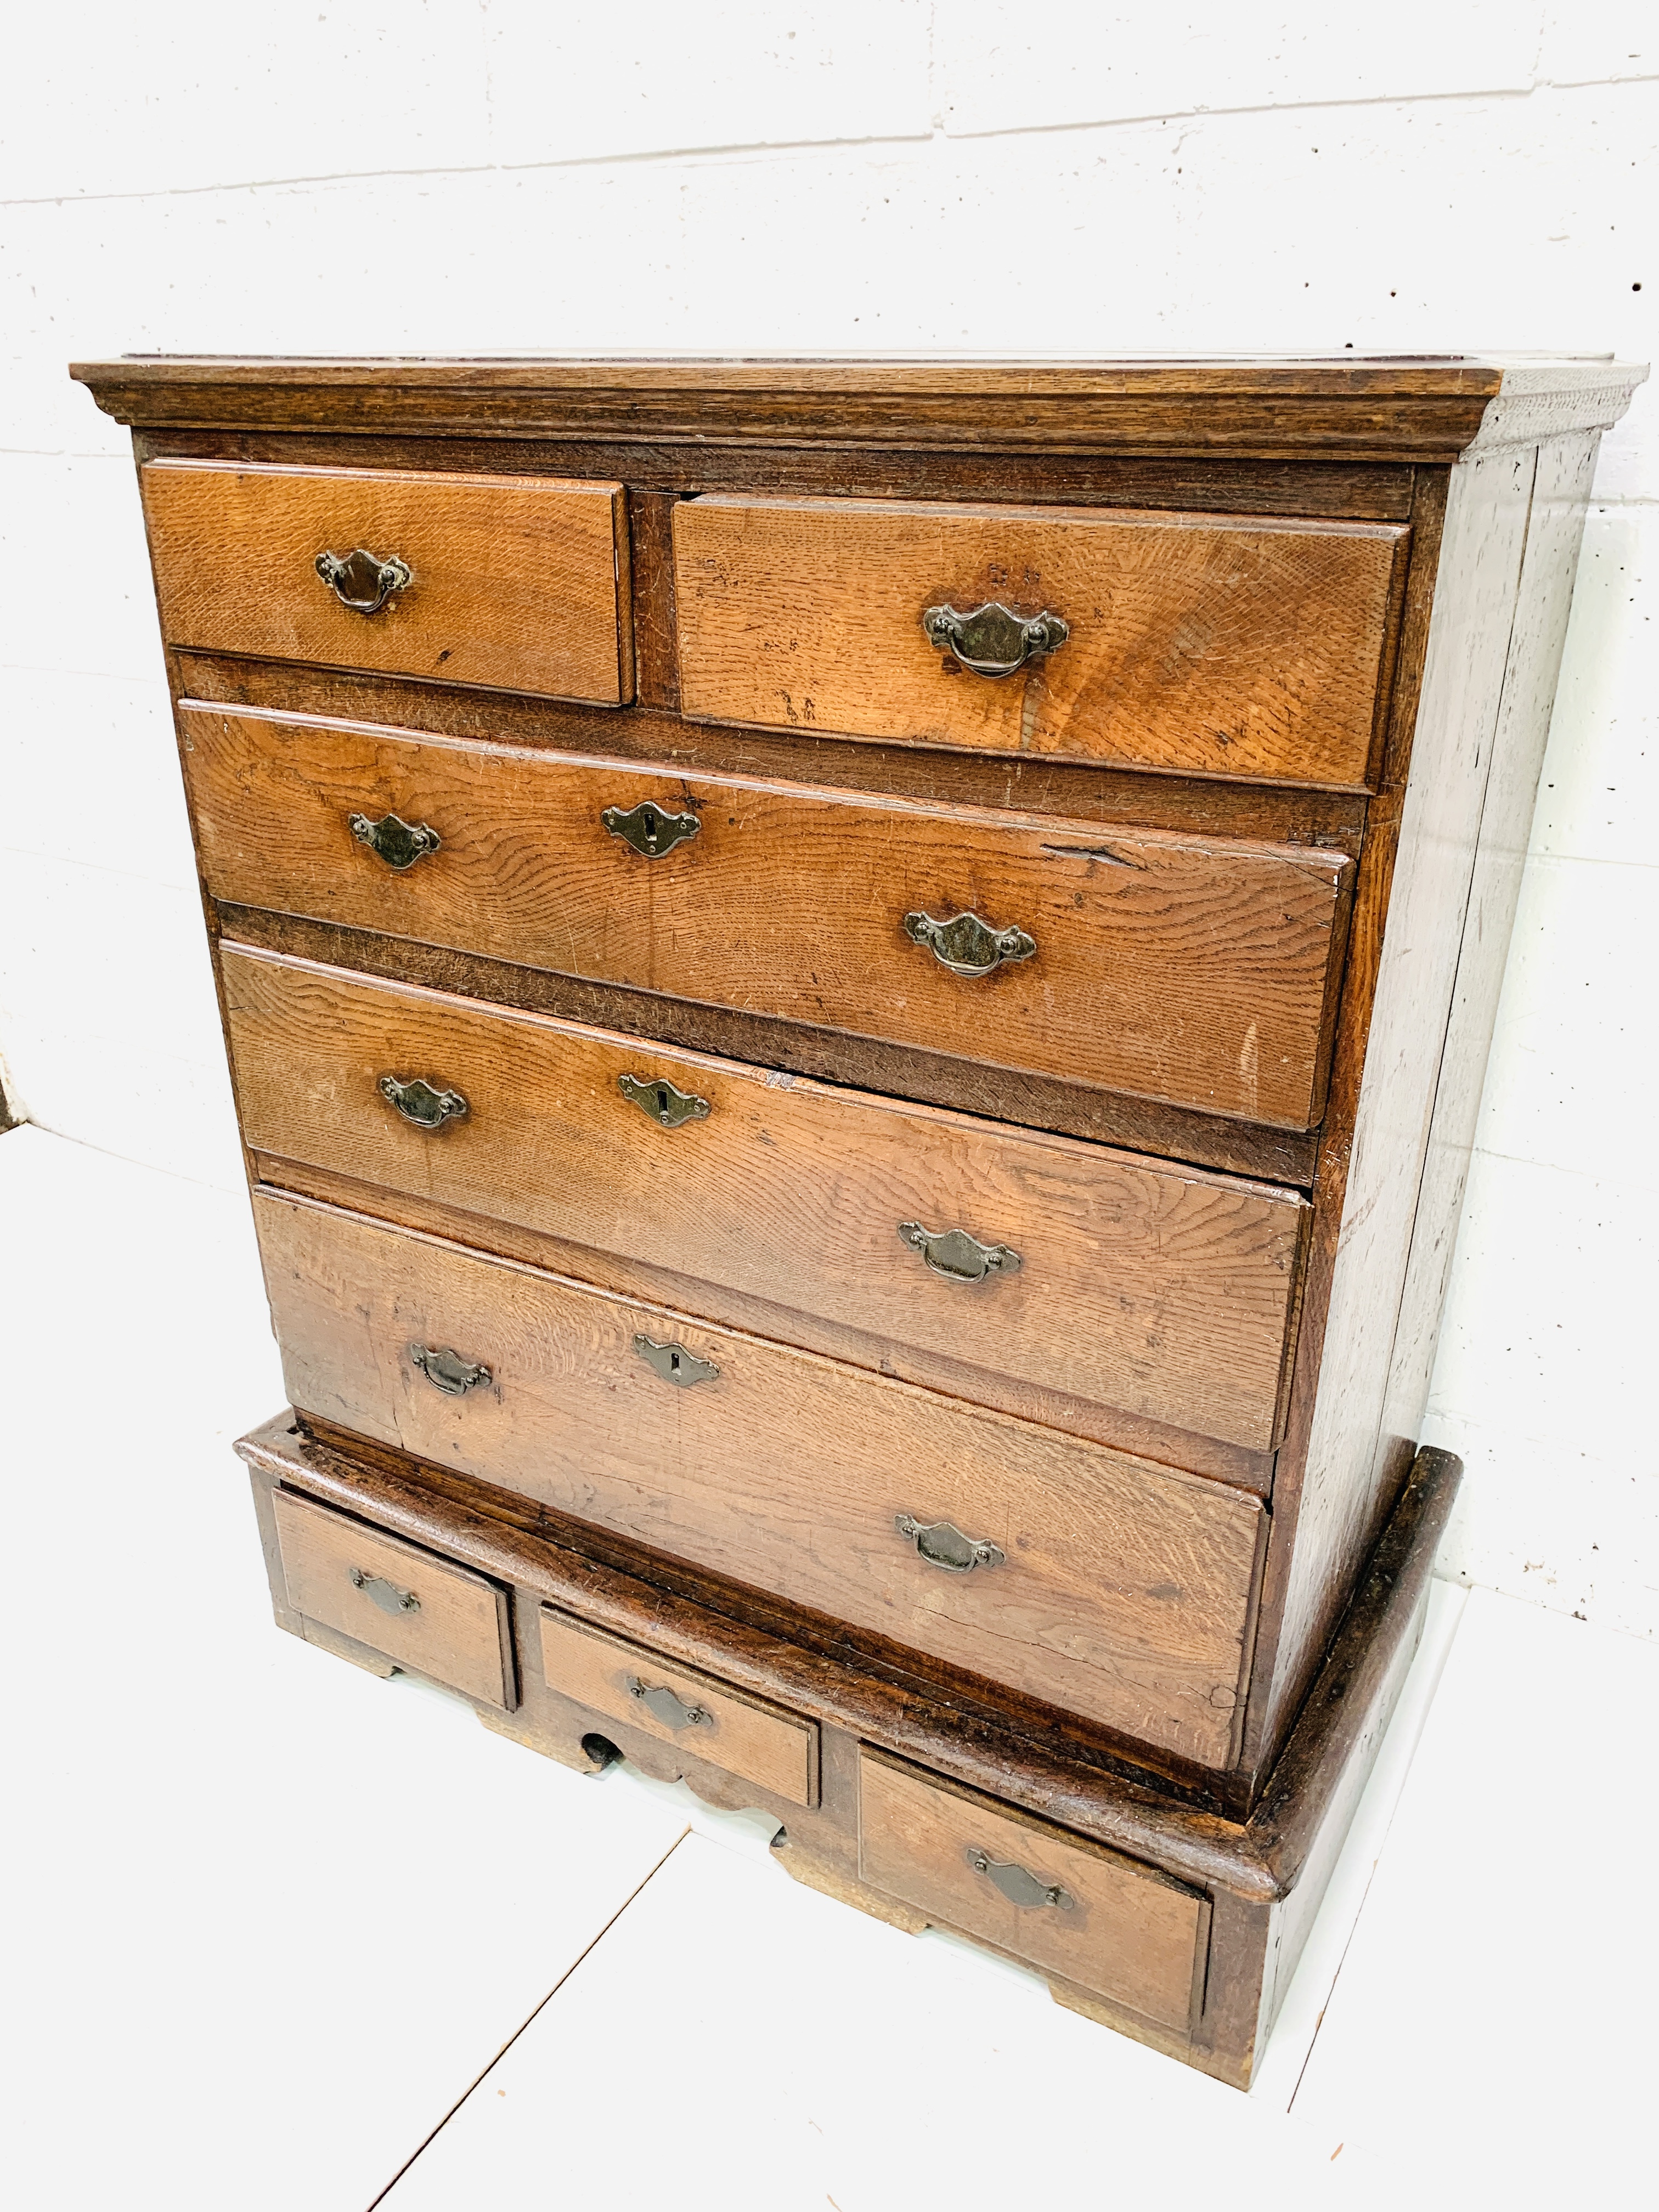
(1211, 645)
(1126, 1592)
(1196, 971)
(1363, 492)
(757, 1742)
(1262, 1875)
(1253, 1149)
(1555, 526)
(1157, 1289)
(458, 1630)
(633, 1279)
(520, 582)
(1391, 410)
(1331, 1494)
(1269, 813)
(1128, 1931)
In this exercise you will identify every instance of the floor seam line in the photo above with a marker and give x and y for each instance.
(426, 2142)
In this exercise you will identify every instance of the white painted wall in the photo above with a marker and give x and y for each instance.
(510, 175)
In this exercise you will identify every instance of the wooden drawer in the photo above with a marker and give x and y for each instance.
(1214, 645)
(428, 1614)
(746, 1737)
(516, 582)
(1196, 969)
(1088, 1915)
(1161, 1290)
(1124, 1590)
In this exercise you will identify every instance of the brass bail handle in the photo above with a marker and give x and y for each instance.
(957, 1256)
(362, 581)
(420, 1101)
(447, 1370)
(1017, 1883)
(993, 640)
(398, 843)
(967, 945)
(942, 1544)
(386, 1595)
(661, 1703)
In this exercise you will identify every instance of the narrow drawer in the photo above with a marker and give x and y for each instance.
(1213, 645)
(1113, 1587)
(428, 1614)
(518, 583)
(1196, 969)
(1158, 1290)
(1070, 1908)
(745, 1736)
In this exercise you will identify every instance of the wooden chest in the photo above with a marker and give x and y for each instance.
(857, 994)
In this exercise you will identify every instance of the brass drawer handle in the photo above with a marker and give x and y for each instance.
(942, 1544)
(967, 945)
(418, 1101)
(994, 640)
(1018, 1884)
(386, 1594)
(675, 1364)
(398, 843)
(361, 580)
(447, 1371)
(954, 1253)
(656, 1096)
(649, 830)
(663, 1705)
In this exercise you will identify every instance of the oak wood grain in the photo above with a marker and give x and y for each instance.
(755, 1741)
(1050, 1409)
(1124, 1593)
(455, 1627)
(1196, 971)
(1213, 645)
(1253, 1149)
(1280, 814)
(1124, 1929)
(1391, 410)
(1160, 1289)
(685, 466)
(1332, 1492)
(1263, 1876)
(519, 582)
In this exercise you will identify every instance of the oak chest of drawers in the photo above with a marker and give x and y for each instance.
(857, 993)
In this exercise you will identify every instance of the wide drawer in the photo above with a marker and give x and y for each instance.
(1122, 1591)
(1161, 1290)
(428, 1613)
(1215, 645)
(745, 1736)
(516, 582)
(1199, 970)
(1070, 1908)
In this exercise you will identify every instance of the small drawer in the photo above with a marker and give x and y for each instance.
(746, 1737)
(1161, 1290)
(518, 583)
(1208, 644)
(1108, 1586)
(428, 1614)
(1070, 1908)
(1194, 969)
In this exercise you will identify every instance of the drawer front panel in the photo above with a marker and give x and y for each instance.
(1123, 1592)
(1190, 970)
(515, 582)
(746, 1737)
(1114, 1926)
(1208, 644)
(427, 1613)
(1157, 1290)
